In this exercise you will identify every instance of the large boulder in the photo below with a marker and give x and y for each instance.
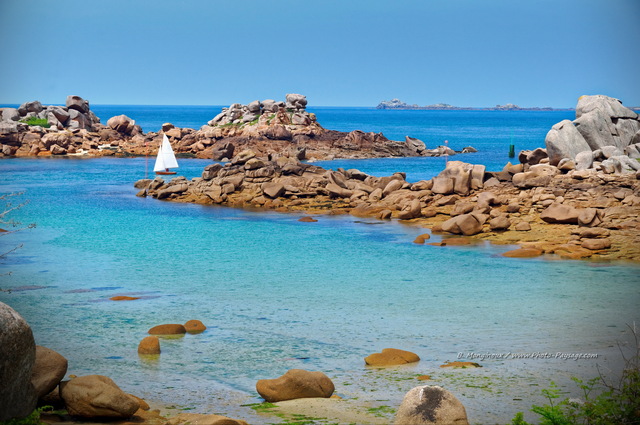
(48, 370)
(538, 175)
(564, 141)
(465, 224)
(77, 103)
(34, 107)
(222, 150)
(296, 383)
(600, 121)
(122, 124)
(17, 356)
(296, 101)
(415, 145)
(560, 214)
(430, 405)
(97, 396)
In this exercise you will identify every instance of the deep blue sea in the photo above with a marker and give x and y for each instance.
(278, 294)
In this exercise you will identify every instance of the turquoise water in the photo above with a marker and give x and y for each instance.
(278, 294)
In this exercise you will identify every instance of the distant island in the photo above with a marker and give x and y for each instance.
(398, 104)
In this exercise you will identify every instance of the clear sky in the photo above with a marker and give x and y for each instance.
(336, 52)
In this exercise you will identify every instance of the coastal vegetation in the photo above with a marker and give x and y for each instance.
(33, 121)
(603, 402)
(31, 419)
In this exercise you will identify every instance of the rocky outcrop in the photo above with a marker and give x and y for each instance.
(512, 205)
(267, 127)
(604, 136)
(294, 384)
(17, 356)
(430, 405)
(97, 396)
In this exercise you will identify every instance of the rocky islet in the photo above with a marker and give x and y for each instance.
(267, 127)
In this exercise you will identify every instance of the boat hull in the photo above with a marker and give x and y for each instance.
(166, 173)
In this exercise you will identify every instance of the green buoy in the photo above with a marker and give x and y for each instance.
(512, 151)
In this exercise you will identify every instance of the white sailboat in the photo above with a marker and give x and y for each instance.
(166, 159)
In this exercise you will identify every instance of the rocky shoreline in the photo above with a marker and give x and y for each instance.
(267, 127)
(578, 198)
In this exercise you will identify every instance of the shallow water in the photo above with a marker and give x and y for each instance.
(278, 294)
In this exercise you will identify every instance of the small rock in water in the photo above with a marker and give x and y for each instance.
(195, 327)
(421, 238)
(169, 329)
(123, 298)
(149, 345)
(307, 219)
(391, 357)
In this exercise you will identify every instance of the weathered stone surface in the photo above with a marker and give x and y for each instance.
(294, 384)
(149, 345)
(590, 217)
(561, 214)
(77, 103)
(465, 224)
(538, 175)
(391, 357)
(211, 171)
(531, 157)
(500, 222)
(430, 405)
(222, 150)
(17, 356)
(97, 396)
(168, 329)
(48, 370)
(596, 244)
(564, 141)
(414, 144)
(122, 124)
(442, 185)
(412, 210)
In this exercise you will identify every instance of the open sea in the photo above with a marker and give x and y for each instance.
(278, 294)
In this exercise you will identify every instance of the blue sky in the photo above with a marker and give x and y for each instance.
(336, 52)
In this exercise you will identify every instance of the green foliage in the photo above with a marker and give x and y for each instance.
(602, 402)
(42, 122)
(32, 419)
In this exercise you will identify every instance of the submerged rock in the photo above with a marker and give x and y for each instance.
(391, 357)
(294, 384)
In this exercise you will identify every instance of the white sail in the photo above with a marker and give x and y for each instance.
(166, 158)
